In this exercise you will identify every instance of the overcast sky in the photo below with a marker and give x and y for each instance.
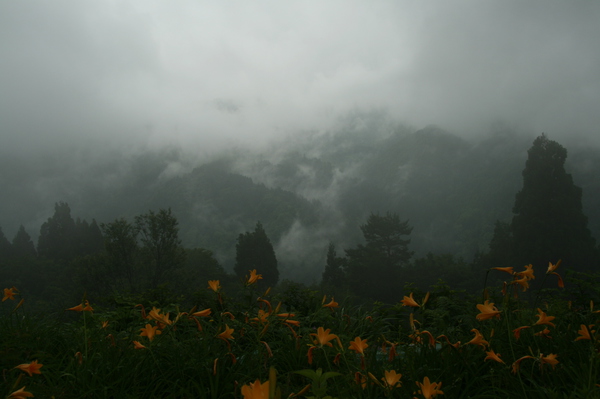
(200, 72)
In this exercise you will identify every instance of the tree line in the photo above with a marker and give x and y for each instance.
(146, 253)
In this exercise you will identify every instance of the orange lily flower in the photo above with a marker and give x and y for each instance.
(227, 334)
(20, 394)
(254, 277)
(359, 345)
(104, 324)
(81, 308)
(517, 331)
(478, 339)
(214, 285)
(332, 304)
(455, 345)
(561, 283)
(585, 332)
(488, 311)
(550, 359)
(30, 368)
(256, 390)
(360, 379)
(543, 319)
(517, 364)
(286, 315)
(508, 270)
(429, 389)
(430, 336)
(527, 273)
(409, 301)
(392, 379)
(202, 313)
(544, 333)
(159, 317)
(150, 331)
(292, 322)
(523, 282)
(322, 337)
(262, 316)
(9, 293)
(138, 345)
(491, 355)
(552, 268)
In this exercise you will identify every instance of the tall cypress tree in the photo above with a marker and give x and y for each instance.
(57, 234)
(22, 244)
(5, 247)
(548, 222)
(333, 275)
(255, 251)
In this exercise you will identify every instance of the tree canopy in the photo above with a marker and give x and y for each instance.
(548, 222)
(255, 251)
(374, 268)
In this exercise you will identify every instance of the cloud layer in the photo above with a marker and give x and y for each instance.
(208, 74)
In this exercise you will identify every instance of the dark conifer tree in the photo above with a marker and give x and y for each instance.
(57, 234)
(255, 251)
(88, 238)
(23, 245)
(548, 222)
(5, 247)
(333, 275)
(373, 269)
(121, 246)
(161, 248)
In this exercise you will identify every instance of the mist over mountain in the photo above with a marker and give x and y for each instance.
(307, 190)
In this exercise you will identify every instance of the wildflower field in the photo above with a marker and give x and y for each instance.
(508, 341)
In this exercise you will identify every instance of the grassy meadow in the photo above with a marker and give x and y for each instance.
(530, 336)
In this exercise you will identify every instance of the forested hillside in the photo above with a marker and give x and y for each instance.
(307, 191)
